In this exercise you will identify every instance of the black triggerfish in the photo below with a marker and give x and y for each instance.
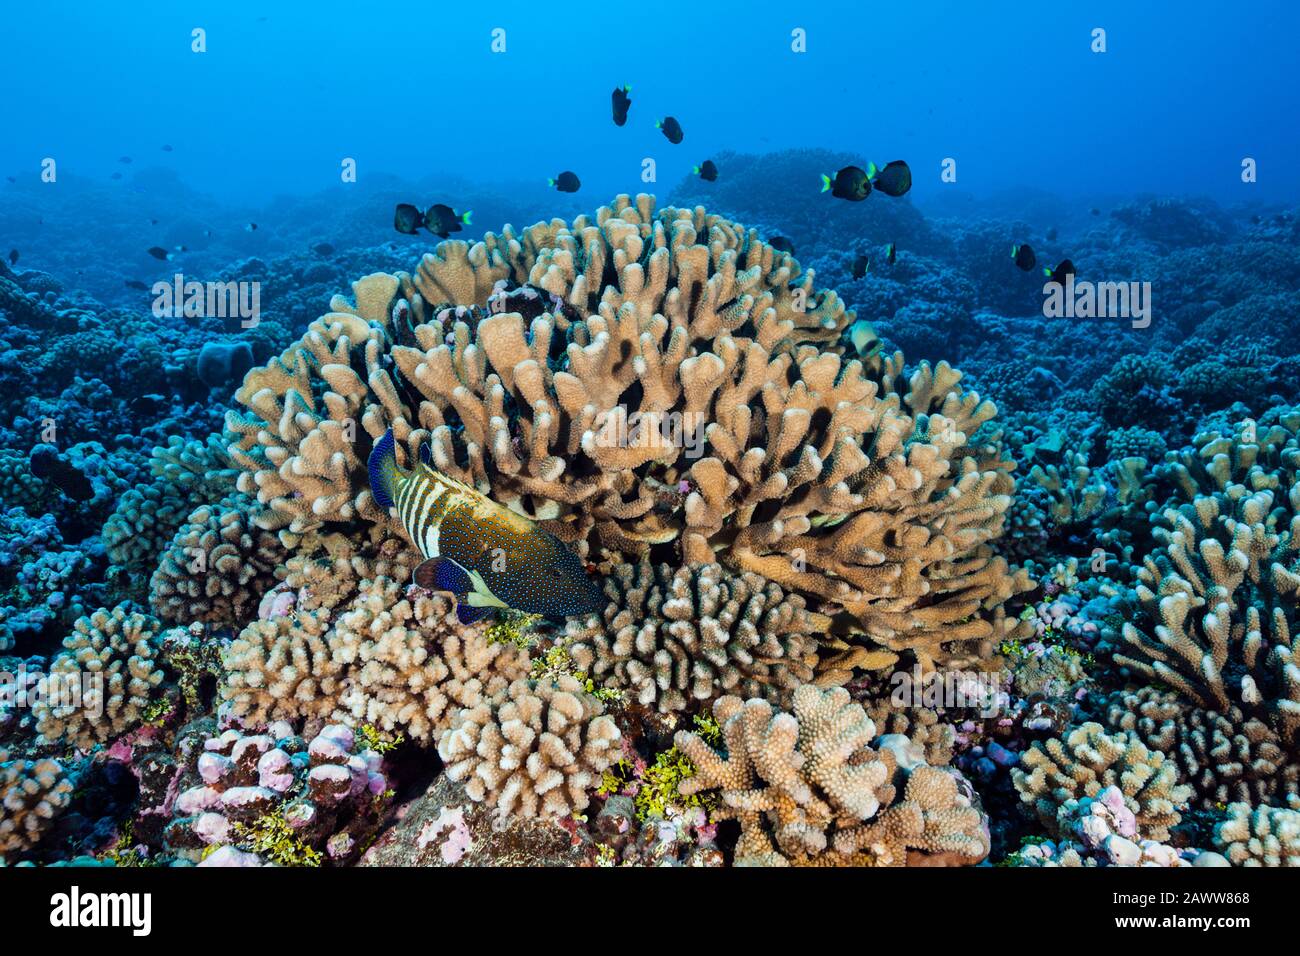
(487, 555)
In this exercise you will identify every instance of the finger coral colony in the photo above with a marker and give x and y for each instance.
(853, 612)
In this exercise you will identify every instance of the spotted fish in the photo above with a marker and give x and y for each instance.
(484, 553)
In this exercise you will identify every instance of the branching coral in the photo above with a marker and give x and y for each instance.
(537, 749)
(692, 635)
(808, 788)
(32, 794)
(1260, 836)
(105, 678)
(217, 566)
(1087, 760)
(1223, 591)
(937, 817)
(587, 404)
(411, 665)
(793, 780)
(185, 476)
(1226, 757)
(282, 668)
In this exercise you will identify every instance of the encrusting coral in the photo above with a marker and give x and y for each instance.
(32, 794)
(538, 748)
(277, 795)
(574, 372)
(105, 677)
(673, 638)
(1057, 771)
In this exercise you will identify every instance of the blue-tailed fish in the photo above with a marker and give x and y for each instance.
(482, 552)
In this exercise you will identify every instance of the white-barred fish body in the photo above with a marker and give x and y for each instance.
(484, 553)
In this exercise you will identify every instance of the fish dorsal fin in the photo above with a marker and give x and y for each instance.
(484, 508)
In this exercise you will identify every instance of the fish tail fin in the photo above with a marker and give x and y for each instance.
(826, 182)
(1047, 272)
(385, 474)
(696, 170)
(627, 87)
(659, 124)
(872, 170)
(550, 182)
(465, 217)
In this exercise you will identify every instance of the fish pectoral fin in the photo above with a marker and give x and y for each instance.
(474, 600)
(480, 595)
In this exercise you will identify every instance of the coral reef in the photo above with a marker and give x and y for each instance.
(688, 636)
(102, 681)
(537, 748)
(1260, 836)
(857, 486)
(32, 793)
(861, 609)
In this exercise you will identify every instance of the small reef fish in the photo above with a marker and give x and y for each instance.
(861, 264)
(439, 219)
(13, 257)
(488, 556)
(707, 171)
(407, 219)
(251, 227)
(136, 284)
(158, 252)
(166, 148)
(323, 249)
(781, 244)
(1024, 257)
(851, 183)
(48, 464)
(671, 128)
(621, 102)
(442, 220)
(566, 182)
(124, 159)
(891, 253)
(894, 179)
(1066, 268)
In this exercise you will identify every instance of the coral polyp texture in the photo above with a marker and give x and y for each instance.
(902, 574)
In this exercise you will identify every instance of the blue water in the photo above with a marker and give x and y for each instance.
(1013, 92)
